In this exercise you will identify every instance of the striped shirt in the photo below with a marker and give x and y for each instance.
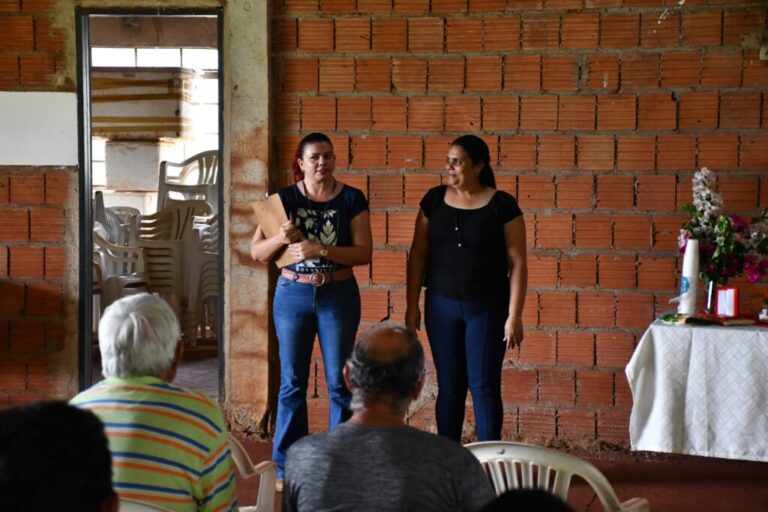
(169, 445)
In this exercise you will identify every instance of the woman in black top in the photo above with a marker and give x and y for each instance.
(469, 252)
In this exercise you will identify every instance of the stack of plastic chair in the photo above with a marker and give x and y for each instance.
(120, 268)
(194, 178)
(525, 466)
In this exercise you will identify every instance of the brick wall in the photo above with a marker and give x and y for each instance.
(597, 113)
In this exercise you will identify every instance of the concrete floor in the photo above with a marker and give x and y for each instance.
(672, 483)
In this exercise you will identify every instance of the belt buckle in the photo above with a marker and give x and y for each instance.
(317, 279)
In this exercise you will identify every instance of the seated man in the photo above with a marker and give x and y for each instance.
(169, 445)
(54, 457)
(375, 461)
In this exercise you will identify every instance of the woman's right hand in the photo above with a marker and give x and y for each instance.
(413, 319)
(288, 233)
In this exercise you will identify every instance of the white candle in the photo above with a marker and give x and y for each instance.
(690, 279)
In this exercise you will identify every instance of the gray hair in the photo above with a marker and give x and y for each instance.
(383, 370)
(137, 337)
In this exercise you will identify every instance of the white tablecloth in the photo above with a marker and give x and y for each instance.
(701, 391)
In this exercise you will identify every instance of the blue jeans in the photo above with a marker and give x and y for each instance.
(301, 311)
(467, 342)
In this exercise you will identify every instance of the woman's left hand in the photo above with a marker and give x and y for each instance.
(304, 250)
(513, 331)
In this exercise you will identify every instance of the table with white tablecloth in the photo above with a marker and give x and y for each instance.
(701, 390)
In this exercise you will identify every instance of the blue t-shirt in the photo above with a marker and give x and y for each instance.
(328, 223)
(467, 258)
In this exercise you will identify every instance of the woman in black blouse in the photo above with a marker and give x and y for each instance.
(469, 252)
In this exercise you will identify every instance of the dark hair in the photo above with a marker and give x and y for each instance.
(478, 152)
(53, 456)
(312, 138)
(390, 379)
(527, 499)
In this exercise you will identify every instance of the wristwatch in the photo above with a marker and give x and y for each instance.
(324, 252)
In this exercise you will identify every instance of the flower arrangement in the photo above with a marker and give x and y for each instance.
(729, 246)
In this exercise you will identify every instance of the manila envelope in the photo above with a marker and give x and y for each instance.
(270, 215)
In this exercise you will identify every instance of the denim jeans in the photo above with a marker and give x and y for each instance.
(301, 311)
(467, 342)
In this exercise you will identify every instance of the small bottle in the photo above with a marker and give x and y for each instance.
(689, 280)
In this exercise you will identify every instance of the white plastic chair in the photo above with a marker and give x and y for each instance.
(526, 466)
(126, 505)
(194, 178)
(268, 476)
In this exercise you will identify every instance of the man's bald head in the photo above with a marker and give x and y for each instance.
(387, 365)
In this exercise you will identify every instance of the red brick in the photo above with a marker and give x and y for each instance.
(593, 232)
(502, 33)
(680, 69)
(557, 152)
(316, 34)
(535, 192)
(538, 112)
(412, 6)
(575, 348)
(622, 392)
(557, 308)
(531, 308)
(631, 232)
(656, 32)
(390, 35)
(373, 74)
(5, 189)
(409, 75)
(542, 271)
(580, 30)
(616, 112)
(462, 114)
(656, 192)
(576, 113)
(615, 192)
(594, 388)
(43, 300)
(740, 193)
(389, 113)
(300, 74)
(445, 75)
(740, 110)
(416, 185)
(435, 151)
(537, 423)
(11, 299)
(3, 262)
(385, 191)
(554, 231)
(400, 227)
(287, 108)
(47, 225)
(404, 152)
(541, 32)
(374, 6)
(621, 30)
(363, 274)
(318, 113)
(14, 225)
(755, 72)
(575, 192)
(507, 183)
(603, 72)
(12, 374)
(595, 153)
(353, 34)
(26, 262)
(337, 74)
(639, 71)
(16, 33)
(379, 227)
(666, 229)
(9, 70)
(484, 73)
(560, 73)
(388, 267)
(656, 112)
(519, 385)
(354, 113)
(37, 5)
(578, 270)
(595, 309)
(464, 35)
(636, 153)
(634, 311)
(613, 427)
(739, 23)
(617, 271)
(8, 6)
(557, 387)
(698, 110)
(47, 38)
(614, 349)
(29, 189)
(522, 72)
(425, 34)
(676, 152)
(286, 35)
(369, 152)
(656, 274)
(518, 153)
(54, 262)
(449, 6)
(539, 347)
(721, 69)
(500, 113)
(752, 153)
(425, 113)
(575, 424)
(702, 28)
(487, 5)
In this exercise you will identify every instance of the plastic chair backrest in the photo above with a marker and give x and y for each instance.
(525, 466)
(247, 469)
(194, 178)
(174, 222)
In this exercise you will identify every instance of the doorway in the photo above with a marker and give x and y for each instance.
(150, 98)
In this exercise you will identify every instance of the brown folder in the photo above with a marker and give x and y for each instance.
(270, 215)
